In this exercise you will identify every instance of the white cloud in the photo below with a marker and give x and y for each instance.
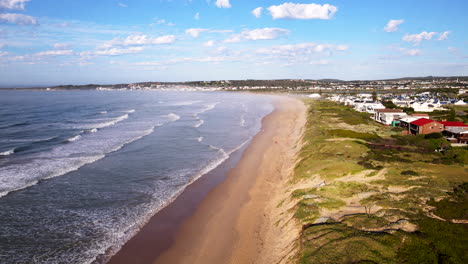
(112, 52)
(258, 34)
(195, 32)
(302, 11)
(3, 53)
(417, 38)
(223, 4)
(302, 49)
(197, 16)
(122, 5)
(412, 52)
(453, 50)
(444, 35)
(145, 40)
(257, 12)
(139, 40)
(392, 25)
(55, 53)
(61, 46)
(13, 4)
(19, 19)
(164, 22)
(209, 43)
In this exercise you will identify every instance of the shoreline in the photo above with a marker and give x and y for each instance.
(221, 218)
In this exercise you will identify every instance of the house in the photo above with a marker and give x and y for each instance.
(425, 126)
(386, 116)
(406, 121)
(454, 124)
(456, 135)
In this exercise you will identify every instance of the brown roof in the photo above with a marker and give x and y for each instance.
(386, 110)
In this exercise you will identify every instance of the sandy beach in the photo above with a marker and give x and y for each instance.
(235, 221)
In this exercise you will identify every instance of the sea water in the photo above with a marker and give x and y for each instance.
(82, 171)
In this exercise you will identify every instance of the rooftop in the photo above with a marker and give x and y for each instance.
(423, 121)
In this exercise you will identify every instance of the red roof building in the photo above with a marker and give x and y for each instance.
(448, 124)
(425, 126)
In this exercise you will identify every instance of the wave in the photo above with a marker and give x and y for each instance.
(207, 107)
(20, 176)
(75, 138)
(129, 111)
(28, 140)
(94, 130)
(200, 139)
(183, 103)
(8, 152)
(242, 121)
(103, 112)
(105, 124)
(199, 123)
(172, 117)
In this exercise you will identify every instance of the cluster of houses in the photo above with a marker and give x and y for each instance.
(415, 124)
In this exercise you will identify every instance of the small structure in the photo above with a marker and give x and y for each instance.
(386, 116)
(456, 135)
(454, 124)
(425, 126)
(314, 95)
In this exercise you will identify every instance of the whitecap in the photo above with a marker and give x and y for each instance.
(75, 138)
(199, 123)
(8, 152)
(172, 117)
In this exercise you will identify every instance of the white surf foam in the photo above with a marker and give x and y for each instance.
(183, 103)
(200, 139)
(172, 117)
(62, 160)
(105, 124)
(129, 111)
(8, 152)
(199, 123)
(75, 138)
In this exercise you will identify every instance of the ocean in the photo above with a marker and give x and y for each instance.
(82, 171)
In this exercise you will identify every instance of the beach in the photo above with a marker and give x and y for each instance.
(234, 222)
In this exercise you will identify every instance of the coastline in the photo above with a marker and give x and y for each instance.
(233, 222)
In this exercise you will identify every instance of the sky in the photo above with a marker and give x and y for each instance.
(52, 42)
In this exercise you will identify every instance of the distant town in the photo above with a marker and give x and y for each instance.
(287, 85)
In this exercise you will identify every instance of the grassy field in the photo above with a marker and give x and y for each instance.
(365, 194)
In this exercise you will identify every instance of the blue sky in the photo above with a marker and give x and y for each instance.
(50, 42)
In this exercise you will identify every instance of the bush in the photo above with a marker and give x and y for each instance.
(409, 172)
(435, 135)
(352, 134)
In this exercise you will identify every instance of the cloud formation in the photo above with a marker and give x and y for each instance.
(257, 12)
(444, 35)
(223, 4)
(197, 16)
(139, 39)
(122, 5)
(302, 11)
(13, 4)
(195, 32)
(258, 34)
(18, 19)
(418, 38)
(297, 50)
(392, 25)
(112, 52)
(55, 53)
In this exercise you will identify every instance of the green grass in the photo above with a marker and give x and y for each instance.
(415, 175)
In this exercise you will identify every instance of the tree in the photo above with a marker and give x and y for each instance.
(374, 95)
(452, 115)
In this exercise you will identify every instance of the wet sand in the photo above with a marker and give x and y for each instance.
(226, 217)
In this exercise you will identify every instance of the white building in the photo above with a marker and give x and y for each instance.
(386, 116)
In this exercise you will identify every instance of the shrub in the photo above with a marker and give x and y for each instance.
(435, 135)
(409, 172)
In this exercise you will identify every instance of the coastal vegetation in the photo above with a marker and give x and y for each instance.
(363, 193)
